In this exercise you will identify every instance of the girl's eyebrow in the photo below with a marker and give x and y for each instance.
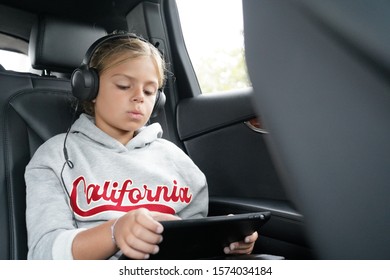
(133, 78)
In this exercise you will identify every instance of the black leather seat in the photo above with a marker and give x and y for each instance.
(320, 72)
(33, 109)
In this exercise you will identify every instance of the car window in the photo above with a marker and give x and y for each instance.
(15, 61)
(213, 34)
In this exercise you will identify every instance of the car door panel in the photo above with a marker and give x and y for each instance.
(238, 167)
(223, 113)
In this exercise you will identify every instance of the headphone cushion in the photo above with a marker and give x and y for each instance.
(85, 83)
(159, 103)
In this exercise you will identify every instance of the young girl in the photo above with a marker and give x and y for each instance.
(123, 178)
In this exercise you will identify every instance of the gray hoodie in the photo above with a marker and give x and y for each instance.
(108, 179)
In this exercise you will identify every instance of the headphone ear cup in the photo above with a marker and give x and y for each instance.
(85, 83)
(159, 104)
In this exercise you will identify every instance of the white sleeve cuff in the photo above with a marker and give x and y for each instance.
(62, 247)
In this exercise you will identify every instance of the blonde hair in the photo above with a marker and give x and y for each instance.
(133, 46)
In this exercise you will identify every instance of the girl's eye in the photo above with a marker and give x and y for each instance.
(122, 87)
(149, 92)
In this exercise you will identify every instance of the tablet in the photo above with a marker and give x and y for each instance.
(205, 238)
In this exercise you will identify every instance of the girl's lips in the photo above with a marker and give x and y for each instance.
(135, 114)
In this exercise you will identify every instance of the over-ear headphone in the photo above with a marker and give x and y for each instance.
(85, 79)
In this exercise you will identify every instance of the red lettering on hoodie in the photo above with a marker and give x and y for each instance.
(125, 197)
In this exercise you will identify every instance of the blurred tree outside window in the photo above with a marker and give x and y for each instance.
(214, 37)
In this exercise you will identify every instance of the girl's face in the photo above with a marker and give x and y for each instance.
(126, 97)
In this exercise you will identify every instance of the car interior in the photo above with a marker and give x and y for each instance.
(244, 172)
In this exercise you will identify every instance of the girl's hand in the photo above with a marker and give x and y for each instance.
(138, 232)
(242, 247)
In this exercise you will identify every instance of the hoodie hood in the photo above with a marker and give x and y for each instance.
(85, 125)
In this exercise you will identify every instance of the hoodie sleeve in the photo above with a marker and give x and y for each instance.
(50, 223)
(199, 205)
(190, 172)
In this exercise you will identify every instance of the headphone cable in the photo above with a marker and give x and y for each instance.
(69, 163)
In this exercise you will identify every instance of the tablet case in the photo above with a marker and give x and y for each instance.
(205, 238)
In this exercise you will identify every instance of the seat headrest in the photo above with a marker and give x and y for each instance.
(59, 45)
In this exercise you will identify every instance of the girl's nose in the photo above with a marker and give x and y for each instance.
(138, 95)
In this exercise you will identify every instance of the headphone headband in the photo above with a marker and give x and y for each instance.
(91, 50)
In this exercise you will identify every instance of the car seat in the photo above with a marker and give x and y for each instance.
(321, 76)
(33, 109)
